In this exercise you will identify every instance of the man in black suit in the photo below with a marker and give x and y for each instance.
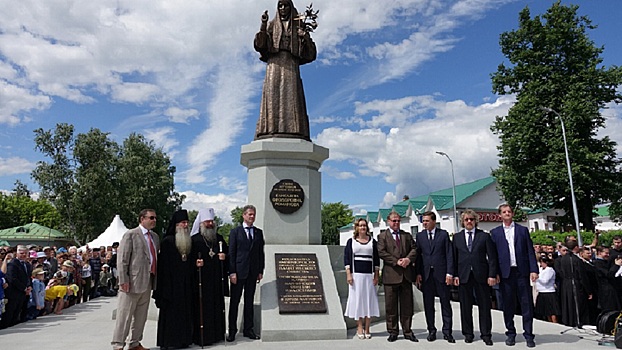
(18, 274)
(476, 271)
(434, 268)
(246, 265)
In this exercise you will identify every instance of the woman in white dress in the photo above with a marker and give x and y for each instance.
(362, 267)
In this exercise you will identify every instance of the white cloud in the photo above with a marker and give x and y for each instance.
(179, 115)
(613, 115)
(163, 137)
(15, 165)
(406, 156)
(222, 203)
(134, 92)
(227, 113)
(16, 100)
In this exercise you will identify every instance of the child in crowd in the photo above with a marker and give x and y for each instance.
(36, 305)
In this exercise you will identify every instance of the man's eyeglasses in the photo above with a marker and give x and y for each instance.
(151, 217)
(469, 219)
(398, 220)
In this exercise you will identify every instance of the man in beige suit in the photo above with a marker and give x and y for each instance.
(136, 264)
(398, 251)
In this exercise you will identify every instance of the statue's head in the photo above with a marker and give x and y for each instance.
(285, 8)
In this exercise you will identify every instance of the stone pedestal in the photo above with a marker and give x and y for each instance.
(272, 160)
(303, 326)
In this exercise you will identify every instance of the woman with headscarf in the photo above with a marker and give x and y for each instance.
(285, 45)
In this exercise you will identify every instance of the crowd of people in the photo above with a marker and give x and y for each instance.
(502, 269)
(38, 281)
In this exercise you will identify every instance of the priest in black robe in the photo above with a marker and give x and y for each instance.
(576, 289)
(173, 295)
(209, 251)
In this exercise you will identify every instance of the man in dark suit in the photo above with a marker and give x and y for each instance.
(435, 264)
(517, 265)
(397, 249)
(18, 274)
(475, 256)
(246, 265)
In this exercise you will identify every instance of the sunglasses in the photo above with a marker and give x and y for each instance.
(469, 219)
(151, 217)
(395, 220)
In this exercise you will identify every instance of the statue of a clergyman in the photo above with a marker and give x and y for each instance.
(285, 44)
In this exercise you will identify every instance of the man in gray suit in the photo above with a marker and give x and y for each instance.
(137, 278)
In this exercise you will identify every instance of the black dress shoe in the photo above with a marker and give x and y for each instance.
(511, 341)
(432, 336)
(251, 335)
(411, 337)
(449, 338)
(487, 341)
(468, 340)
(230, 337)
(531, 343)
(392, 338)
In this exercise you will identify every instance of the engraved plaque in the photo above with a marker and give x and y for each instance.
(299, 284)
(287, 196)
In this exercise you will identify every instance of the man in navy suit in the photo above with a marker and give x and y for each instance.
(517, 265)
(476, 271)
(434, 268)
(246, 265)
(18, 276)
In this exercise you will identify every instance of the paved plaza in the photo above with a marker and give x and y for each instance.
(90, 326)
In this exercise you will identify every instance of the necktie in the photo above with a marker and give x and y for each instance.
(431, 238)
(153, 253)
(470, 241)
(249, 233)
(397, 240)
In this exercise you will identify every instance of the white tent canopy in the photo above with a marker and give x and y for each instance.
(113, 233)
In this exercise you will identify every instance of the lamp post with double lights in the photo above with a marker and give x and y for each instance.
(574, 201)
(453, 188)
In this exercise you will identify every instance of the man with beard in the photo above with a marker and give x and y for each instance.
(209, 251)
(173, 292)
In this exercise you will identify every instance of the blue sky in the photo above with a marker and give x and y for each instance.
(394, 82)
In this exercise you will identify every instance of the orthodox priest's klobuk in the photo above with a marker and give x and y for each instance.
(210, 248)
(173, 295)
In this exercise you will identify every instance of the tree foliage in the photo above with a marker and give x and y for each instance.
(554, 64)
(19, 210)
(90, 178)
(334, 216)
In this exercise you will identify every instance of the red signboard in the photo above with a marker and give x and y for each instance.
(489, 217)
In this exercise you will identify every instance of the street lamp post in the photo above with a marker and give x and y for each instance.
(574, 201)
(453, 188)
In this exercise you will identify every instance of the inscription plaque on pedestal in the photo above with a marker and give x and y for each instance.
(287, 196)
(299, 284)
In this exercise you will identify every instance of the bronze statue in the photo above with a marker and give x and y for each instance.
(285, 44)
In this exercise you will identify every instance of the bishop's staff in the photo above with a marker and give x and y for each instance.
(200, 300)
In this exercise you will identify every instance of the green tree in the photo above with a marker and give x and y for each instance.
(236, 216)
(554, 64)
(90, 178)
(56, 178)
(146, 180)
(21, 189)
(334, 216)
(17, 210)
(96, 190)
